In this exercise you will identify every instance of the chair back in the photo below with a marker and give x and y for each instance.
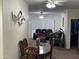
(27, 52)
(44, 31)
(32, 53)
(51, 47)
(21, 47)
(38, 30)
(49, 30)
(42, 39)
(51, 43)
(25, 43)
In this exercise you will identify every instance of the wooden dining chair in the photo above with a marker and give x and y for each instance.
(22, 50)
(51, 48)
(30, 51)
(25, 43)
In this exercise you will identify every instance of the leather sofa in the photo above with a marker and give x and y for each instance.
(42, 32)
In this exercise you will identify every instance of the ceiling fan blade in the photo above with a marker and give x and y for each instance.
(59, 2)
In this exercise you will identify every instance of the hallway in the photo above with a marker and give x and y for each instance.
(17, 17)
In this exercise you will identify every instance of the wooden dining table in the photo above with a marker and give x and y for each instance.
(44, 48)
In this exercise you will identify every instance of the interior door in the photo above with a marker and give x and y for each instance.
(74, 32)
(78, 35)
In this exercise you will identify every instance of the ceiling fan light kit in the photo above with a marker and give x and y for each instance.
(50, 4)
(41, 17)
(53, 5)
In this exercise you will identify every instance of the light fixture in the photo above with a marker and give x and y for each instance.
(53, 5)
(50, 4)
(41, 17)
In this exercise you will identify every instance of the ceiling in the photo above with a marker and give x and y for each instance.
(37, 5)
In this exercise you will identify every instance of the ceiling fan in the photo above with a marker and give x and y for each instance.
(53, 3)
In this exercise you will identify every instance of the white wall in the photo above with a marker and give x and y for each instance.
(1, 32)
(12, 31)
(68, 15)
(55, 18)
(72, 14)
(29, 29)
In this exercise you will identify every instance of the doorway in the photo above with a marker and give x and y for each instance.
(74, 33)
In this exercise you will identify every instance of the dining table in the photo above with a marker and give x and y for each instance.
(44, 49)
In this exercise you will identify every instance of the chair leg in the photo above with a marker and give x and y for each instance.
(44, 56)
(50, 56)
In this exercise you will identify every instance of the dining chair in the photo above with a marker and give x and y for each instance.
(51, 48)
(22, 51)
(25, 43)
(30, 51)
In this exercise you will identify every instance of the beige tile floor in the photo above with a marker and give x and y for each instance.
(60, 53)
